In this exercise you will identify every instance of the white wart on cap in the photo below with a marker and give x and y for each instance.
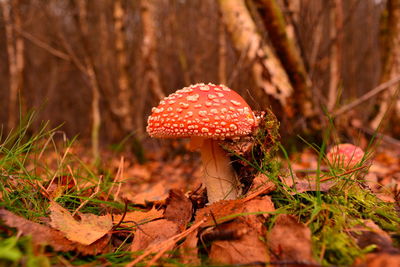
(204, 110)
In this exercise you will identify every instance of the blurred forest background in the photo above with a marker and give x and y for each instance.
(98, 67)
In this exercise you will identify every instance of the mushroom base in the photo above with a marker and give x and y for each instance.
(219, 177)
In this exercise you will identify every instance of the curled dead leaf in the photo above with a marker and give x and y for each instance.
(179, 209)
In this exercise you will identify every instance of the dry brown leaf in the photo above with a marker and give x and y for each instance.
(153, 233)
(310, 184)
(137, 171)
(369, 233)
(44, 235)
(225, 210)
(226, 251)
(247, 249)
(149, 192)
(386, 197)
(134, 218)
(179, 209)
(261, 181)
(290, 240)
(160, 248)
(259, 205)
(378, 260)
(220, 211)
(86, 231)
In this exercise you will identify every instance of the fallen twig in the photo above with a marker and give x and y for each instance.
(367, 96)
(264, 190)
(344, 173)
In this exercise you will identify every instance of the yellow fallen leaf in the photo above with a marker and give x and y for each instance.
(86, 231)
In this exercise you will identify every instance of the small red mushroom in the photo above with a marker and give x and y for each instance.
(345, 155)
(206, 113)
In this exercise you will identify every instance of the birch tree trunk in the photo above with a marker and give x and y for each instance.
(267, 70)
(15, 52)
(150, 72)
(123, 108)
(289, 56)
(391, 69)
(91, 75)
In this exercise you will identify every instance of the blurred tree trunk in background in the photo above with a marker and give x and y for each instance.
(336, 36)
(222, 53)
(267, 70)
(16, 62)
(105, 63)
(91, 75)
(290, 57)
(150, 70)
(122, 108)
(389, 104)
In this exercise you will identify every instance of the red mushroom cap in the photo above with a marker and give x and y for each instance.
(345, 155)
(210, 110)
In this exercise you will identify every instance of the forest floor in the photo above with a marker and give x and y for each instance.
(57, 208)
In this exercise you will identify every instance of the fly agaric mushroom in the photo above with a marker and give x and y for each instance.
(206, 114)
(345, 155)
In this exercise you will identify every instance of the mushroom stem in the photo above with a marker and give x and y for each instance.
(219, 177)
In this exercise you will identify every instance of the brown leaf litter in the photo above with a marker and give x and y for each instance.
(86, 231)
(44, 235)
(252, 212)
(245, 248)
(160, 248)
(177, 215)
(153, 233)
(135, 218)
(232, 226)
(290, 241)
(179, 209)
(378, 260)
(368, 233)
(152, 182)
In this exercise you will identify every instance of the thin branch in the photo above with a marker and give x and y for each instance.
(342, 174)
(54, 51)
(367, 96)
